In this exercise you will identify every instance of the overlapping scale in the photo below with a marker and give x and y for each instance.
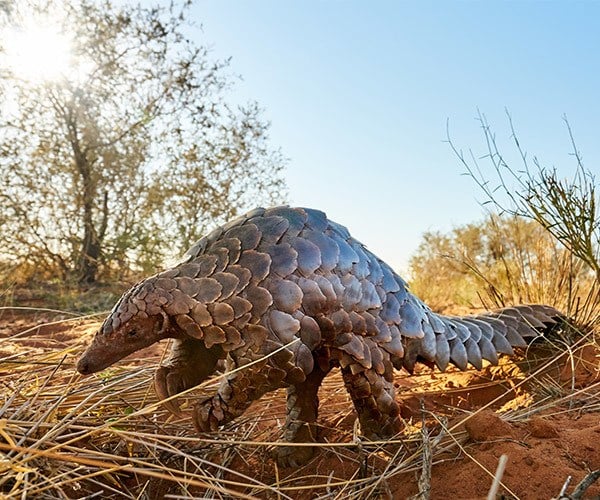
(284, 259)
(258, 263)
(347, 256)
(287, 295)
(229, 283)
(271, 228)
(259, 297)
(316, 220)
(313, 299)
(473, 353)
(411, 320)
(428, 342)
(309, 255)
(283, 325)
(248, 236)
(458, 353)
(296, 218)
(328, 249)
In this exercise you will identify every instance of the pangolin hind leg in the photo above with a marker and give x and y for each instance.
(302, 409)
(374, 399)
(189, 364)
(236, 393)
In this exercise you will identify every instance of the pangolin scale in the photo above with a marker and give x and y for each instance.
(293, 292)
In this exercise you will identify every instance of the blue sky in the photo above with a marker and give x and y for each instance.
(358, 95)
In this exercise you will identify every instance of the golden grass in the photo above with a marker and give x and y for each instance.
(66, 436)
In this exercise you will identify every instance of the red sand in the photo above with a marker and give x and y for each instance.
(542, 450)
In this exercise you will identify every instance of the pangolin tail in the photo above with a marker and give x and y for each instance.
(468, 340)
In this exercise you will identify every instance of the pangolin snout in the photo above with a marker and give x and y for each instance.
(83, 367)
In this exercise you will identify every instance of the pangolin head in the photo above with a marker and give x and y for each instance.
(136, 321)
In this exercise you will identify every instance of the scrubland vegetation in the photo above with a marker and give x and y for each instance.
(63, 436)
(70, 247)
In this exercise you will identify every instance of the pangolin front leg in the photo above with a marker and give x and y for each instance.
(189, 364)
(235, 394)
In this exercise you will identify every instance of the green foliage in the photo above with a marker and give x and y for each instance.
(559, 262)
(132, 155)
(566, 208)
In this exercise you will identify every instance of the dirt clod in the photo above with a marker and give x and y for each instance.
(542, 428)
(487, 425)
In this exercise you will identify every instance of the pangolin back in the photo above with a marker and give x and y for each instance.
(279, 274)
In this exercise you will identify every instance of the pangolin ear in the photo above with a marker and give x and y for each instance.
(161, 324)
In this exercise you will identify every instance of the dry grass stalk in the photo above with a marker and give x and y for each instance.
(497, 477)
(62, 436)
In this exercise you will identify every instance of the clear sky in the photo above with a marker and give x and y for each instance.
(358, 94)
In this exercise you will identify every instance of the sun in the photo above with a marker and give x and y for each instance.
(38, 52)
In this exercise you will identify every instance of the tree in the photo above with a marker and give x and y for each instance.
(497, 262)
(131, 152)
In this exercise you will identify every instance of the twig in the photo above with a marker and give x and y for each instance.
(581, 488)
(565, 485)
(497, 477)
(585, 483)
(425, 477)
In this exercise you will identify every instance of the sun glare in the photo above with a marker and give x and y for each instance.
(38, 53)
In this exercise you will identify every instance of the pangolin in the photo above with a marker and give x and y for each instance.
(291, 294)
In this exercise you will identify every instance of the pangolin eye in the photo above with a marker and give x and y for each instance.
(132, 333)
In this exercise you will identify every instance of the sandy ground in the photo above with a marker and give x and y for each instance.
(560, 439)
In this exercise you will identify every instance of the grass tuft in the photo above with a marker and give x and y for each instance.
(66, 436)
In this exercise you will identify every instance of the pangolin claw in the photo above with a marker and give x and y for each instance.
(208, 415)
(167, 384)
(293, 456)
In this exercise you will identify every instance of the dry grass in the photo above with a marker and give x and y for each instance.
(65, 436)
